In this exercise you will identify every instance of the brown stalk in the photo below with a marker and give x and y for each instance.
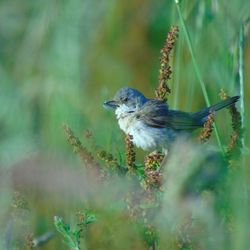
(130, 152)
(235, 145)
(165, 69)
(152, 164)
(78, 148)
(109, 159)
(207, 129)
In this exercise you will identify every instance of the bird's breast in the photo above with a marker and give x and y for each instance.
(145, 137)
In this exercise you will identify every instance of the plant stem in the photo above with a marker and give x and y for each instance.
(241, 78)
(197, 71)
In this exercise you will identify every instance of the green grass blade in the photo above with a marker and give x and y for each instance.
(241, 77)
(197, 71)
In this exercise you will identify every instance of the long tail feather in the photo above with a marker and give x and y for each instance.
(223, 104)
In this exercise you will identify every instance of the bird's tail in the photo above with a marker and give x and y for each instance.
(223, 104)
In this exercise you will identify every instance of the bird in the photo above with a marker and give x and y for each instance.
(150, 122)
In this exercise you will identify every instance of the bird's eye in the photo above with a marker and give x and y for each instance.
(125, 99)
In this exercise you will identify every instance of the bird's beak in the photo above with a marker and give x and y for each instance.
(110, 104)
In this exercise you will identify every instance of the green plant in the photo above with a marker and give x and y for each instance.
(71, 237)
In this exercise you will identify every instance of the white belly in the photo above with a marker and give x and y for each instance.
(145, 137)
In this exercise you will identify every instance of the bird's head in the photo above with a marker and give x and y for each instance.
(126, 100)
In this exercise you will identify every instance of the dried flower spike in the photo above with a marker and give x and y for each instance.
(165, 69)
(223, 94)
(109, 159)
(153, 161)
(207, 129)
(78, 148)
(130, 152)
(235, 144)
(152, 170)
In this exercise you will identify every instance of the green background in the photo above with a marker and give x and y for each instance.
(60, 60)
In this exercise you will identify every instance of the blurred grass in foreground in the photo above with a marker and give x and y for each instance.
(59, 62)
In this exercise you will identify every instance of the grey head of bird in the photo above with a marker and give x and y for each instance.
(126, 101)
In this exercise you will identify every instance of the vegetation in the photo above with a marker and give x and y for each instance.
(59, 62)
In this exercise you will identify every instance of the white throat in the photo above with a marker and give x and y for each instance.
(124, 115)
(123, 111)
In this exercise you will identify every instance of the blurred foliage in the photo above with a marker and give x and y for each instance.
(59, 61)
(72, 237)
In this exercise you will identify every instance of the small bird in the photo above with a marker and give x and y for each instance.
(151, 123)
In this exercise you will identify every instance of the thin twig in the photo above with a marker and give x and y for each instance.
(165, 69)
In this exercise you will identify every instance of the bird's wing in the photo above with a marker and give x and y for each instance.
(155, 113)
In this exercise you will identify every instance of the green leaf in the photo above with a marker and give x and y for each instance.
(65, 231)
(90, 218)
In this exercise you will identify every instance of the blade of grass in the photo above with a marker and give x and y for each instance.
(242, 110)
(197, 71)
(241, 78)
